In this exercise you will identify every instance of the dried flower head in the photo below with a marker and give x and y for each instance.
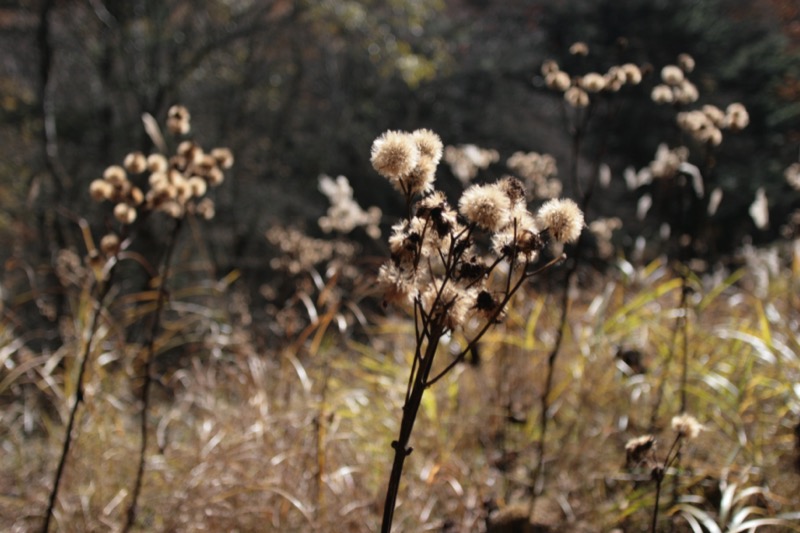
(394, 155)
(662, 94)
(562, 219)
(124, 213)
(115, 175)
(429, 145)
(672, 75)
(687, 426)
(637, 449)
(178, 120)
(593, 82)
(579, 49)
(792, 175)
(576, 97)
(135, 163)
(686, 62)
(549, 66)
(633, 74)
(109, 244)
(686, 92)
(223, 157)
(558, 80)
(736, 117)
(100, 190)
(486, 206)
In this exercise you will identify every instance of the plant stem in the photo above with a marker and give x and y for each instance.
(148, 372)
(410, 409)
(84, 364)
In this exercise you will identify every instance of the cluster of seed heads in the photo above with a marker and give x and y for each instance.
(577, 89)
(436, 266)
(175, 185)
(154, 183)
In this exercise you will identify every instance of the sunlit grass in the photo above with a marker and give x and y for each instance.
(296, 439)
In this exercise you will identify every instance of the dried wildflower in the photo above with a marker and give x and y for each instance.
(576, 97)
(736, 117)
(792, 175)
(100, 190)
(562, 219)
(686, 63)
(124, 213)
(344, 213)
(662, 94)
(205, 209)
(135, 163)
(223, 157)
(539, 172)
(579, 49)
(109, 244)
(394, 155)
(686, 92)
(558, 80)
(486, 206)
(429, 145)
(593, 82)
(672, 75)
(115, 175)
(633, 74)
(398, 284)
(157, 163)
(514, 189)
(714, 114)
(549, 66)
(687, 426)
(636, 449)
(178, 120)
(466, 160)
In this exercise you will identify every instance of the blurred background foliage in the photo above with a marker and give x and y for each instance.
(299, 88)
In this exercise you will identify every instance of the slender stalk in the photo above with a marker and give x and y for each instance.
(148, 373)
(79, 398)
(410, 409)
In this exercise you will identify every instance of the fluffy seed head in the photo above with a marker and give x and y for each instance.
(135, 163)
(124, 213)
(394, 154)
(115, 175)
(576, 97)
(686, 62)
(109, 244)
(223, 156)
(558, 80)
(593, 82)
(736, 117)
(579, 49)
(633, 73)
(687, 425)
(486, 205)
(157, 163)
(563, 219)
(429, 145)
(686, 92)
(671, 75)
(662, 94)
(100, 190)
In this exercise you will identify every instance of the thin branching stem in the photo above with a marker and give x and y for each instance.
(103, 289)
(148, 373)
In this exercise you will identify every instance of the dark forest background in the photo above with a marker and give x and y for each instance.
(300, 88)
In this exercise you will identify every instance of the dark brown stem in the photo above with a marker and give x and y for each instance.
(410, 409)
(73, 412)
(148, 373)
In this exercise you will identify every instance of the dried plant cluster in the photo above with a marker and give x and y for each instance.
(577, 89)
(438, 271)
(175, 185)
